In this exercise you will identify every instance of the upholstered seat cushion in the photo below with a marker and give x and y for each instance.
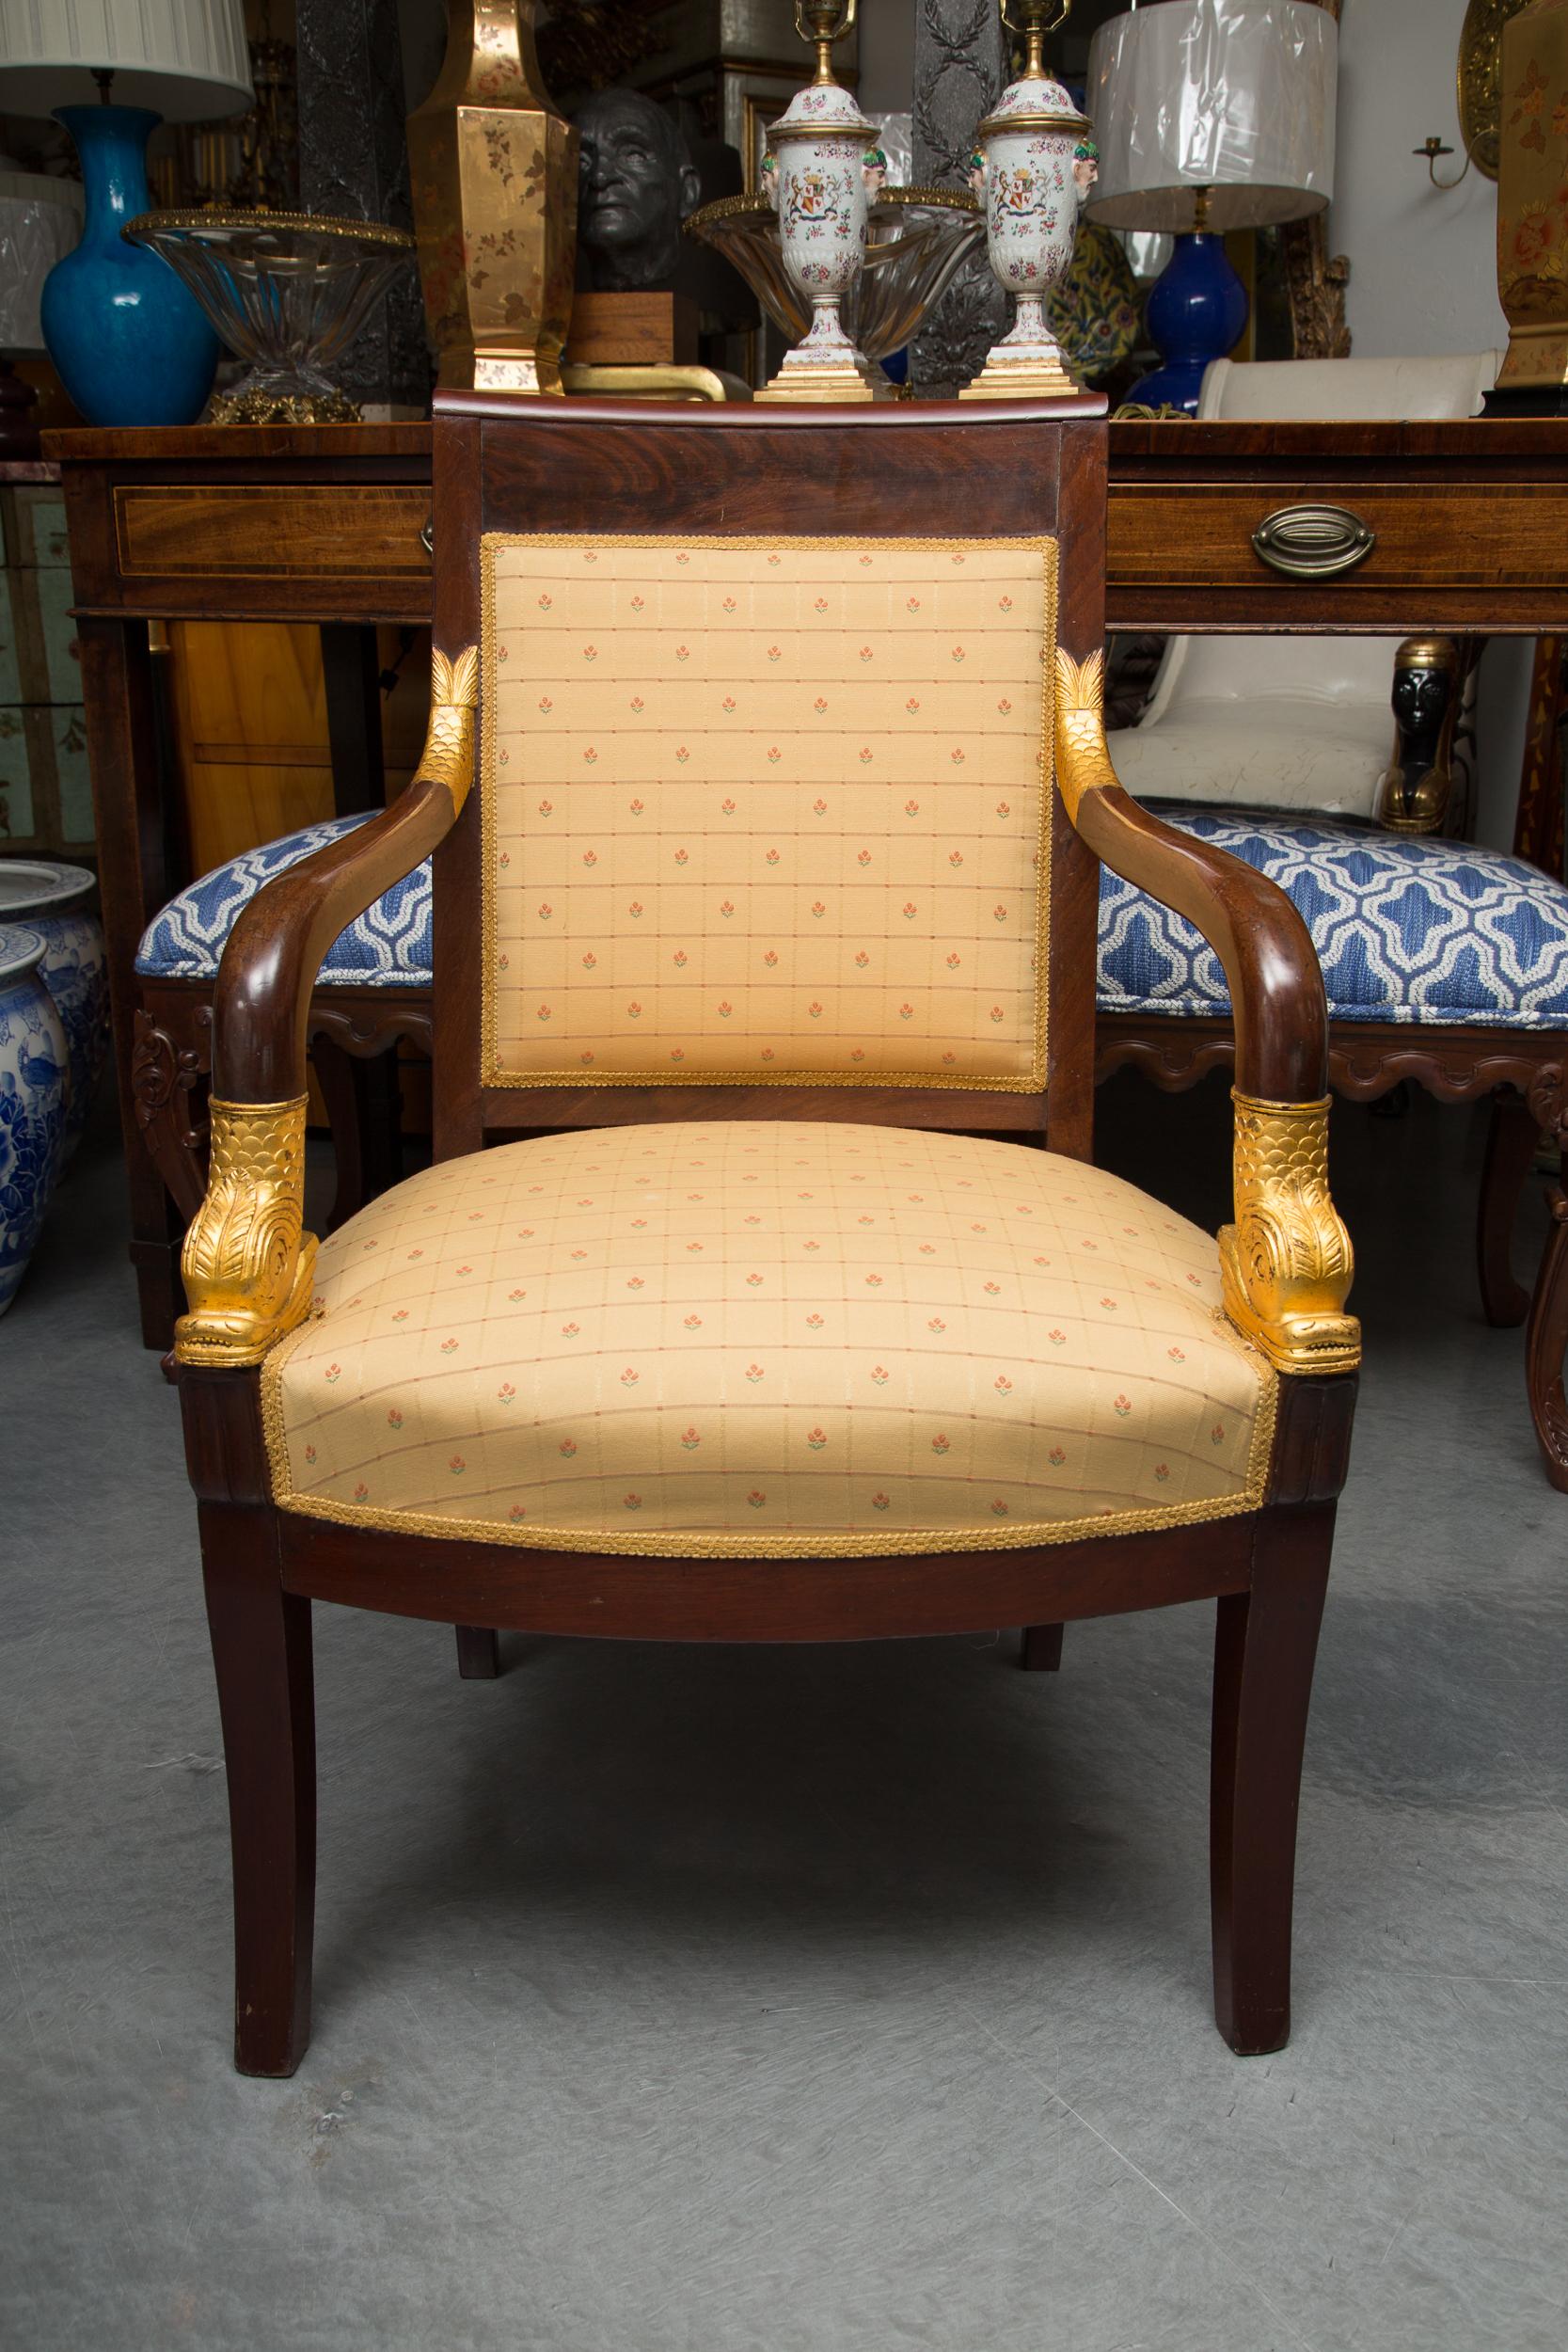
(768, 1338)
(388, 947)
(1406, 929)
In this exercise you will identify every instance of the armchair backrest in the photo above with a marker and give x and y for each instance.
(766, 821)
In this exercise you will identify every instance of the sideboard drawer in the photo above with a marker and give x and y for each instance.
(259, 528)
(1182, 554)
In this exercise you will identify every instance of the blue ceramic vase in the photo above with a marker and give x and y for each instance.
(33, 1084)
(1196, 312)
(131, 346)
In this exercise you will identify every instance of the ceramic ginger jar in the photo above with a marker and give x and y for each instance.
(33, 1087)
(48, 898)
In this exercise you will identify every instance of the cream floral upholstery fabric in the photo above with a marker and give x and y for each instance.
(766, 810)
(768, 1338)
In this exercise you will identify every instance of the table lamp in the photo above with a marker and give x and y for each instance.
(1211, 115)
(129, 341)
(41, 219)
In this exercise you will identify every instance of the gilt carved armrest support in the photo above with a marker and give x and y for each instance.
(1286, 1262)
(247, 1262)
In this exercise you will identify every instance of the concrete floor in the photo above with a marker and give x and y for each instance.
(812, 2001)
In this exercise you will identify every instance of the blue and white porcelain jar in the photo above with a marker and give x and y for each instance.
(34, 1082)
(48, 897)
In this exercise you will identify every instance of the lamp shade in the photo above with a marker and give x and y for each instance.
(185, 59)
(41, 221)
(1235, 96)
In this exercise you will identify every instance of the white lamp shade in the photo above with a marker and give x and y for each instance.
(41, 222)
(1236, 96)
(186, 59)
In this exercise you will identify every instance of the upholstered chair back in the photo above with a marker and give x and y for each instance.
(766, 817)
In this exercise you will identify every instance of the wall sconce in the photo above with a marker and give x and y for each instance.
(1431, 149)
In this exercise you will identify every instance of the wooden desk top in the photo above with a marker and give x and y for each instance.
(1468, 523)
(1488, 440)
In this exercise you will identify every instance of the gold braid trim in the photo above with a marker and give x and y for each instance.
(449, 744)
(1083, 757)
(1287, 1262)
(735, 1544)
(247, 1264)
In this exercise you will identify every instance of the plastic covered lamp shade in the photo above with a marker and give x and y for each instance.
(185, 59)
(1234, 96)
(41, 222)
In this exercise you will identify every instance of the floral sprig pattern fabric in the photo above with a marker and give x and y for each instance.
(766, 809)
(768, 1338)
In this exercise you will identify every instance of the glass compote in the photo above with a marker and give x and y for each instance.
(916, 240)
(287, 291)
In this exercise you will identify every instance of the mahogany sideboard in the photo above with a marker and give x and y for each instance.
(1462, 529)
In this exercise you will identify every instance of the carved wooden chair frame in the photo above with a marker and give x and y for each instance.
(247, 1263)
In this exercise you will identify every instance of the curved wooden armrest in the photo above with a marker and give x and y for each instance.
(247, 1262)
(1287, 1262)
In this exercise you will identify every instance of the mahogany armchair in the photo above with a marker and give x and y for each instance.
(763, 1288)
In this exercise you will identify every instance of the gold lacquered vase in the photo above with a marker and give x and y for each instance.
(1532, 207)
(494, 184)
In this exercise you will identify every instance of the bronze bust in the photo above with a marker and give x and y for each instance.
(636, 184)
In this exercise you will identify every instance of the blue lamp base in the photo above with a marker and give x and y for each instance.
(1196, 312)
(130, 344)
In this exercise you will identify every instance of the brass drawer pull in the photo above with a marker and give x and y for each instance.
(1313, 542)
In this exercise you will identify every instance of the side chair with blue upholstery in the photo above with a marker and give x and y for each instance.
(372, 993)
(1445, 963)
(763, 1286)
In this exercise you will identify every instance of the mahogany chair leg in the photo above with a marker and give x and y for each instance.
(381, 1109)
(339, 1080)
(1546, 1343)
(166, 1178)
(261, 1653)
(1266, 1642)
(1510, 1148)
(364, 1108)
(479, 1653)
(1040, 1650)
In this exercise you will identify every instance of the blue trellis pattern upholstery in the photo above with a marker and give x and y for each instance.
(387, 947)
(1406, 929)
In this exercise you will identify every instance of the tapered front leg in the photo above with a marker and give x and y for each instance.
(479, 1653)
(1266, 1644)
(1040, 1650)
(1510, 1148)
(266, 1698)
(1546, 1345)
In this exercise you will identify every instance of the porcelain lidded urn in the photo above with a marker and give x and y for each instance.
(818, 148)
(1035, 164)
